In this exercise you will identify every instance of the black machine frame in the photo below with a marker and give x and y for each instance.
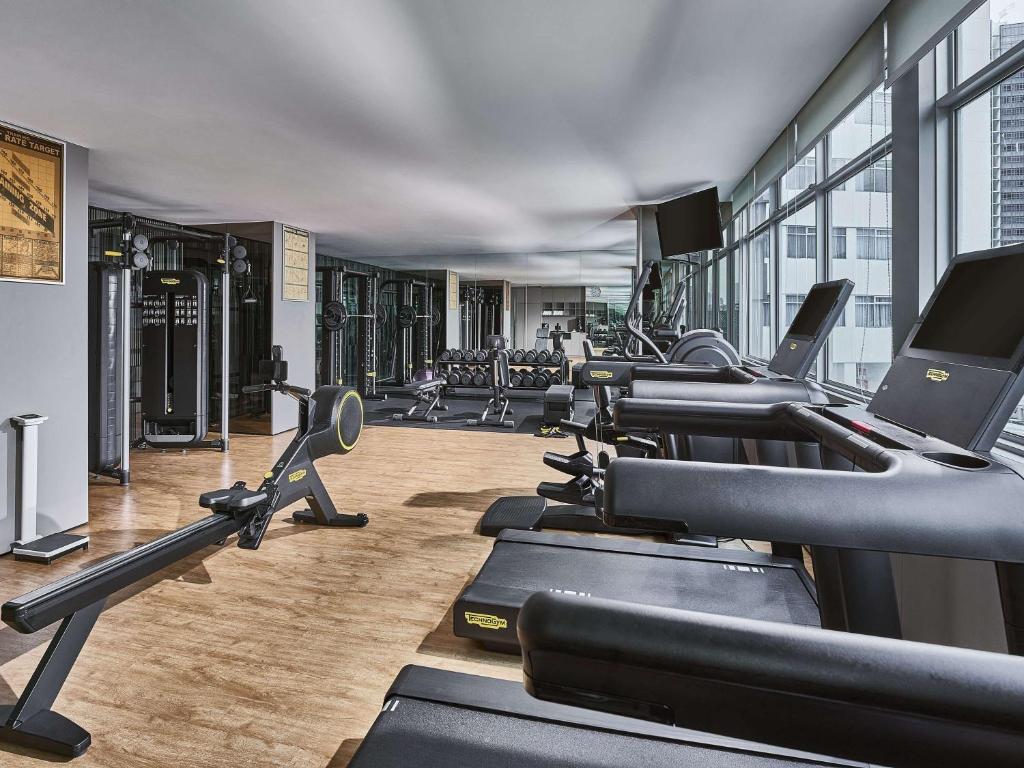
(330, 420)
(133, 257)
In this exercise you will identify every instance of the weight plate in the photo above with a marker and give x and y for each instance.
(238, 252)
(435, 317)
(140, 242)
(335, 316)
(406, 316)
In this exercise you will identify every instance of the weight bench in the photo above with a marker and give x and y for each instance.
(429, 395)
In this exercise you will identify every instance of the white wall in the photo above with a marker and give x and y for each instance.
(44, 341)
(293, 326)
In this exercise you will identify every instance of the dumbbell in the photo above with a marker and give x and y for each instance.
(541, 379)
(528, 379)
(480, 355)
(488, 379)
(557, 357)
(516, 379)
(478, 378)
(543, 356)
(556, 377)
(531, 356)
(445, 356)
(455, 376)
(454, 354)
(518, 356)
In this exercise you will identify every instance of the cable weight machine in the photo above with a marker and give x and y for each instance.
(157, 321)
(334, 319)
(480, 315)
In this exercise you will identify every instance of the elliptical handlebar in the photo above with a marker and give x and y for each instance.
(634, 318)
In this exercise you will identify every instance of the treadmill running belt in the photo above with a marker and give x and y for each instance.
(727, 582)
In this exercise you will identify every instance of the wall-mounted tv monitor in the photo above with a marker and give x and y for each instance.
(689, 224)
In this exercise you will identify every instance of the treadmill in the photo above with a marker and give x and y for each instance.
(784, 378)
(773, 694)
(938, 403)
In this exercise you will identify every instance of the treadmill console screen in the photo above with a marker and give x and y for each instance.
(978, 311)
(814, 310)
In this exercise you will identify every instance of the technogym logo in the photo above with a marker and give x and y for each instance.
(937, 374)
(486, 621)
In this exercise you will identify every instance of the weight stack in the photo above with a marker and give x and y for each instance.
(175, 358)
(106, 282)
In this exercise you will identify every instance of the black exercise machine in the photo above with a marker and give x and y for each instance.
(330, 422)
(926, 433)
(498, 407)
(776, 686)
(784, 379)
(429, 396)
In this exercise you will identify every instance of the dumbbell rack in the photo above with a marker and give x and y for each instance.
(518, 370)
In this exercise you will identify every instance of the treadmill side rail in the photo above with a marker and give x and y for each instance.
(892, 702)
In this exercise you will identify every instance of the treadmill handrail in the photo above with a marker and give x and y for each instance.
(913, 506)
(690, 372)
(880, 700)
(767, 420)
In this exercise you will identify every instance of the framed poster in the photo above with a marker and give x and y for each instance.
(31, 207)
(453, 290)
(295, 280)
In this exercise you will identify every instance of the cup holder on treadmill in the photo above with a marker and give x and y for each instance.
(957, 460)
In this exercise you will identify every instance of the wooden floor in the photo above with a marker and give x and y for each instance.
(279, 657)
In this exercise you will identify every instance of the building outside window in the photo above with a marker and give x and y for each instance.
(859, 352)
(873, 311)
(760, 343)
(800, 177)
(800, 242)
(989, 195)
(838, 242)
(761, 208)
(793, 302)
(874, 243)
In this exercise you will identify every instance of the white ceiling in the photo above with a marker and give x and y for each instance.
(420, 128)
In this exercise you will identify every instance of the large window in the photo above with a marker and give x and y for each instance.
(760, 341)
(860, 352)
(990, 170)
(798, 262)
(989, 143)
(761, 208)
(992, 30)
(799, 178)
(863, 128)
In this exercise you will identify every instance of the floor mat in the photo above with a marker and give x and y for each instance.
(528, 414)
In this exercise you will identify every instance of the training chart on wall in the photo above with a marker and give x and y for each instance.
(296, 265)
(31, 207)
